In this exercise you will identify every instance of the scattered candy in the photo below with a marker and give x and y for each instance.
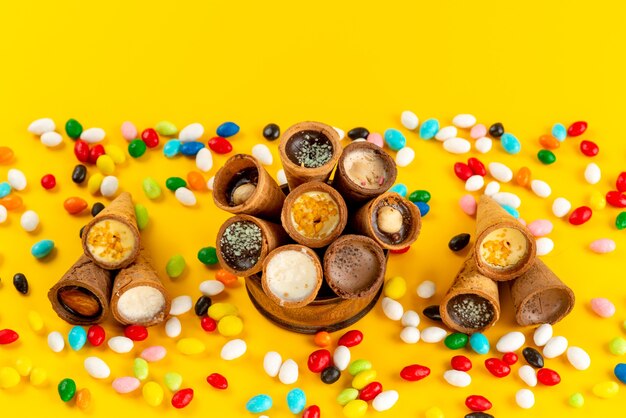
(579, 357)
(580, 215)
(457, 378)
(433, 334)
(355, 409)
(8, 336)
(20, 283)
(456, 341)
(603, 307)
(234, 349)
(593, 174)
(555, 347)
(173, 381)
(152, 393)
(41, 126)
(185, 196)
(528, 375)
(97, 368)
(141, 369)
(296, 400)
(182, 398)
(259, 404)
(479, 343)
(120, 344)
(497, 367)
(603, 246)
(605, 390)
(616, 199)
(83, 399)
(341, 357)
(405, 156)
(457, 145)
(510, 342)
(541, 188)
(77, 338)
(576, 400)
(429, 128)
(271, 132)
(533, 357)
(92, 135)
(483, 145)
(446, 132)
(510, 143)
(410, 335)
(96, 335)
(620, 372)
(262, 153)
(525, 398)
(153, 353)
(409, 120)
(394, 139)
(220, 145)
(137, 148)
(218, 381)
(66, 389)
(271, 363)
(478, 131)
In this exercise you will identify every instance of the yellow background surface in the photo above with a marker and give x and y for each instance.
(527, 64)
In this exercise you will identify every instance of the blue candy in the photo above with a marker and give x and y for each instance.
(423, 207)
(395, 139)
(512, 211)
(429, 129)
(77, 338)
(171, 148)
(42, 248)
(399, 188)
(559, 131)
(191, 148)
(259, 403)
(479, 343)
(227, 129)
(296, 400)
(510, 143)
(620, 372)
(5, 189)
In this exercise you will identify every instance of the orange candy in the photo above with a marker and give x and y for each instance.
(196, 182)
(11, 202)
(322, 339)
(83, 399)
(6, 154)
(228, 279)
(549, 142)
(522, 178)
(75, 205)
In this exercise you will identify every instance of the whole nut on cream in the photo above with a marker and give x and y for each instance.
(243, 193)
(389, 220)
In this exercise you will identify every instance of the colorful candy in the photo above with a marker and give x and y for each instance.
(288, 372)
(603, 307)
(528, 375)
(75, 205)
(77, 338)
(525, 398)
(548, 377)
(220, 145)
(549, 142)
(173, 381)
(510, 143)
(150, 137)
(152, 393)
(259, 404)
(477, 403)
(136, 148)
(456, 341)
(236, 348)
(20, 283)
(614, 198)
(547, 157)
(593, 174)
(66, 389)
(577, 128)
(8, 336)
(497, 367)
(580, 359)
(355, 409)
(96, 335)
(429, 128)
(141, 370)
(93, 135)
(217, 381)
(271, 132)
(589, 148)
(172, 148)
(6, 155)
(358, 132)
(296, 400)
(457, 378)
(533, 357)
(510, 342)
(95, 153)
(414, 372)
(483, 145)
(581, 215)
(97, 368)
(120, 344)
(555, 347)
(602, 246)
(56, 341)
(385, 400)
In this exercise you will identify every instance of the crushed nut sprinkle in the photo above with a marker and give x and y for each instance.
(109, 243)
(315, 215)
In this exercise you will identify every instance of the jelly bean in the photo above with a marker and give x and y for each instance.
(126, 384)
(3, 214)
(75, 205)
(478, 131)
(410, 318)
(185, 196)
(97, 368)
(8, 336)
(208, 256)
(196, 181)
(423, 208)
(357, 133)
(544, 246)
(549, 142)
(370, 391)
(394, 139)
(140, 369)
(227, 129)
(271, 132)
(392, 309)
(56, 341)
(405, 156)
(477, 403)
(94, 183)
(597, 200)
(219, 382)
(271, 363)
(191, 132)
(319, 360)
(603, 307)
(459, 242)
(577, 128)
(220, 145)
(96, 335)
(497, 367)
(153, 393)
(548, 377)
(463, 171)
(151, 188)
(173, 381)
(105, 164)
(227, 278)
(120, 344)
(385, 400)
(605, 390)
(614, 198)
(116, 154)
(577, 400)
(141, 213)
(230, 326)
(175, 266)
(322, 339)
(399, 188)
(234, 349)
(457, 378)
(559, 131)
(432, 312)
(477, 167)
(129, 131)
(191, 148)
(414, 372)
(173, 327)
(580, 215)
(42, 249)
(461, 363)
(620, 183)
(221, 309)
(9, 377)
(35, 321)
(347, 395)
(589, 148)
(66, 389)
(464, 120)
(202, 305)
(401, 250)
(620, 372)
(409, 120)
(77, 338)
(95, 153)
(468, 204)
(457, 145)
(173, 183)
(136, 148)
(172, 148)
(16, 179)
(351, 338)
(510, 143)
(555, 347)
(533, 357)
(330, 375)
(395, 287)
(150, 137)
(523, 177)
(446, 133)
(546, 156)
(528, 375)
(20, 283)
(47, 182)
(593, 174)
(483, 145)
(204, 160)
(165, 128)
(540, 227)
(429, 129)
(81, 151)
(510, 342)
(109, 186)
(602, 246)
(259, 404)
(23, 365)
(496, 130)
(420, 196)
(136, 332)
(456, 341)
(410, 335)
(93, 135)
(29, 220)
(500, 172)
(208, 324)
(296, 400)
(525, 398)
(190, 346)
(83, 399)
(38, 377)
(579, 357)
(341, 357)
(5, 189)
(510, 358)
(620, 221)
(355, 409)
(358, 366)
(6, 155)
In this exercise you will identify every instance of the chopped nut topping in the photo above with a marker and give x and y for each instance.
(315, 215)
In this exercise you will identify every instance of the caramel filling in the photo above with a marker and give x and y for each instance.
(110, 241)
(504, 248)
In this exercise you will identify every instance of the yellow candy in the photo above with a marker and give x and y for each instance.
(83, 399)
(190, 346)
(219, 310)
(597, 201)
(605, 390)
(363, 378)
(230, 325)
(355, 409)
(38, 377)
(434, 412)
(395, 287)
(9, 377)
(116, 154)
(24, 365)
(94, 183)
(105, 164)
(35, 321)
(153, 393)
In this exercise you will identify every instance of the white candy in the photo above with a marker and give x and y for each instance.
(426, 289)
(555, 347)
(542, 334)
(211, 287)
(234, 349)
(510, 342)
(500, 172)
(209, 183)
(204, 160)
(173, 327)
(56, 341)
(97, 368)
(185, 196)
(288, 373)
(392, 309)
(109, 186)
(525, 398)
(433, 334)
(359, 140)
(191, 132)
(492, 188)
(341, 357)
(3, 214)
(29, 220)
(544, 246)
(483, 145)
(385, 400)
(446, 133)
(262, 153)
(120, 344)
(16, 179)
(281, 177)
(410, 319)
(464, 120)
(271, 363)
(181, 305)
(593, 173)
(578, 358)
(340, 132)
(509, 199)
(409, 120)
(528, 375)
(41, 126)
(93, 135)
(405, 156)
(410, 335)
(561, 207)
(541, 188)
(474, 183)
(457, 145)
(457, 378)
(51, 139)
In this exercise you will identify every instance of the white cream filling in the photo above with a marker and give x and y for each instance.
(140, 304)
(291, 275)
(110, 241)
(503, 248)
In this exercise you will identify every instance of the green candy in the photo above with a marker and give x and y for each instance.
(174, 183)
(208, 255)
(67, 389)
(175, 266)
(577, 400)
(73, 128)
(136, 148)
(347, 395)
(420, 196)
(141, 213)
(620, 221)
(546, 156)
(151, 188)
(358, 366)
(166, 128)
(173, 381)
(456, 340)
(140, 368)
(617, 346)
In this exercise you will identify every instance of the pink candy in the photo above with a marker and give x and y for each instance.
(540, 227)
(154, 353)
(468, 204)
(375, 138)
(129, 131)
(522, 221)
(478, 131)
(603, 246)
(603, 307)
(125, 384)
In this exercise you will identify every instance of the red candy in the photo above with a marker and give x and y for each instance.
(463, 171)
(461, 363)
(548, 377)
(96, 335)
(220, 145)
(370, 391)
(414, 372)
(8, 336)
(477, 167)
(81, 151)
(217, 381)
(510, 358)
(150, 137)
(136, 332)
(208, 324)
(182, 398)
(497, 367)
(616, 199)
(621, 182)
(319, 360)
(351, 338)
(577, 128)
(48, 182)
(401, 250)
(582, 214)
(95, 152)
(590, 149)
(312, 411)
(477, 403)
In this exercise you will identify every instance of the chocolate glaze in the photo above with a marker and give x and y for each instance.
(470, 311)
(241, 245)
(399, 236)
(245, 176)
(310, 149)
